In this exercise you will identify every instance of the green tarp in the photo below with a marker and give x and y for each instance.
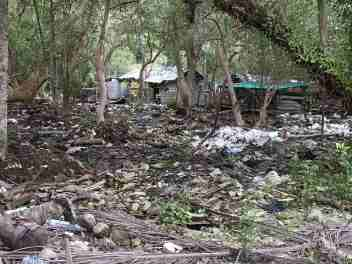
(285, 87)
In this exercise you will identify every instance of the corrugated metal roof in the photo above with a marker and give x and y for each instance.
(153, 75)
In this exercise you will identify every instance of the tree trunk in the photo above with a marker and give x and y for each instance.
(263, 114)
(236, 110)
(193, 46)
(323, 24)
(141, 84)
(3, 76)
(100, 75)
(52, 67)
(252, 14)
(100, 69)
(184, 93)
(67, 85)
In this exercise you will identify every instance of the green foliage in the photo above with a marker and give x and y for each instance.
(248, 226)
(329, 178)
(174, 213)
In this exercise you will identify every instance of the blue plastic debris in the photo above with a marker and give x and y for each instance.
(33, 260)
(64, 226)
(231, 151)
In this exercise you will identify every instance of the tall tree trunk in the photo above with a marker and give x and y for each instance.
(99, 64)
(193, 46)
(52, 67)
(66, 84)
(236, 110)
(3, 76)
(184, 93)
(323, 24)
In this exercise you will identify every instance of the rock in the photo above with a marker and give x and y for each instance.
(310, 144)
(136, 243)
(120, 237)
(172, 248)
(72, 188)
(216, 172)
(106, 244)
(101, 230)
(78, 245)
(316, 215)
(87, 221)
(146, 205)
(135, 207)
(272, 178)
(48, 254)
(145, 167)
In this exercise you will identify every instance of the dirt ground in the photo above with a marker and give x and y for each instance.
(143, 158)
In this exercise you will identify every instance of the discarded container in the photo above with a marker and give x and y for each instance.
(63, 226)
(172, 248)
(38, 214)
(231, 151)
(33, 260)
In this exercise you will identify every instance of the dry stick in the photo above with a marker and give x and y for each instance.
(238, 256)
(68, 251)
(297, 236)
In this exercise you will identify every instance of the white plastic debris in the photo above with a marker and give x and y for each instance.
(74, 150)
(216, 172)
(238, 138)
(12, 121)
(172, 248)
(273, 178)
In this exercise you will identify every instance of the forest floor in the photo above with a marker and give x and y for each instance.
(280, 195)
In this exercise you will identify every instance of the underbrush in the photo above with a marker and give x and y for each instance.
(328, 180)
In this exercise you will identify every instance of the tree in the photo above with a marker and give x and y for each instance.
(3, 77)
(323, 24)
(255, 14)
(224, 62)
(99, 64)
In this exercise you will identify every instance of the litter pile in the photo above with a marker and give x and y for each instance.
(236, 138)
(301, 124)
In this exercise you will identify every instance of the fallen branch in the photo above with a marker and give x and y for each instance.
(313, 136)
(88, 141)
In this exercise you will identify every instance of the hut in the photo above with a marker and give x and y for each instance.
(161, 83)
(115, 91)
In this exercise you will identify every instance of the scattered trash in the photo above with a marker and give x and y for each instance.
(63, 226)
(275, 206)
(172, 248)
(273, 178)
(48, 254)
(33, 260)
(231, 151)
(236, 138)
